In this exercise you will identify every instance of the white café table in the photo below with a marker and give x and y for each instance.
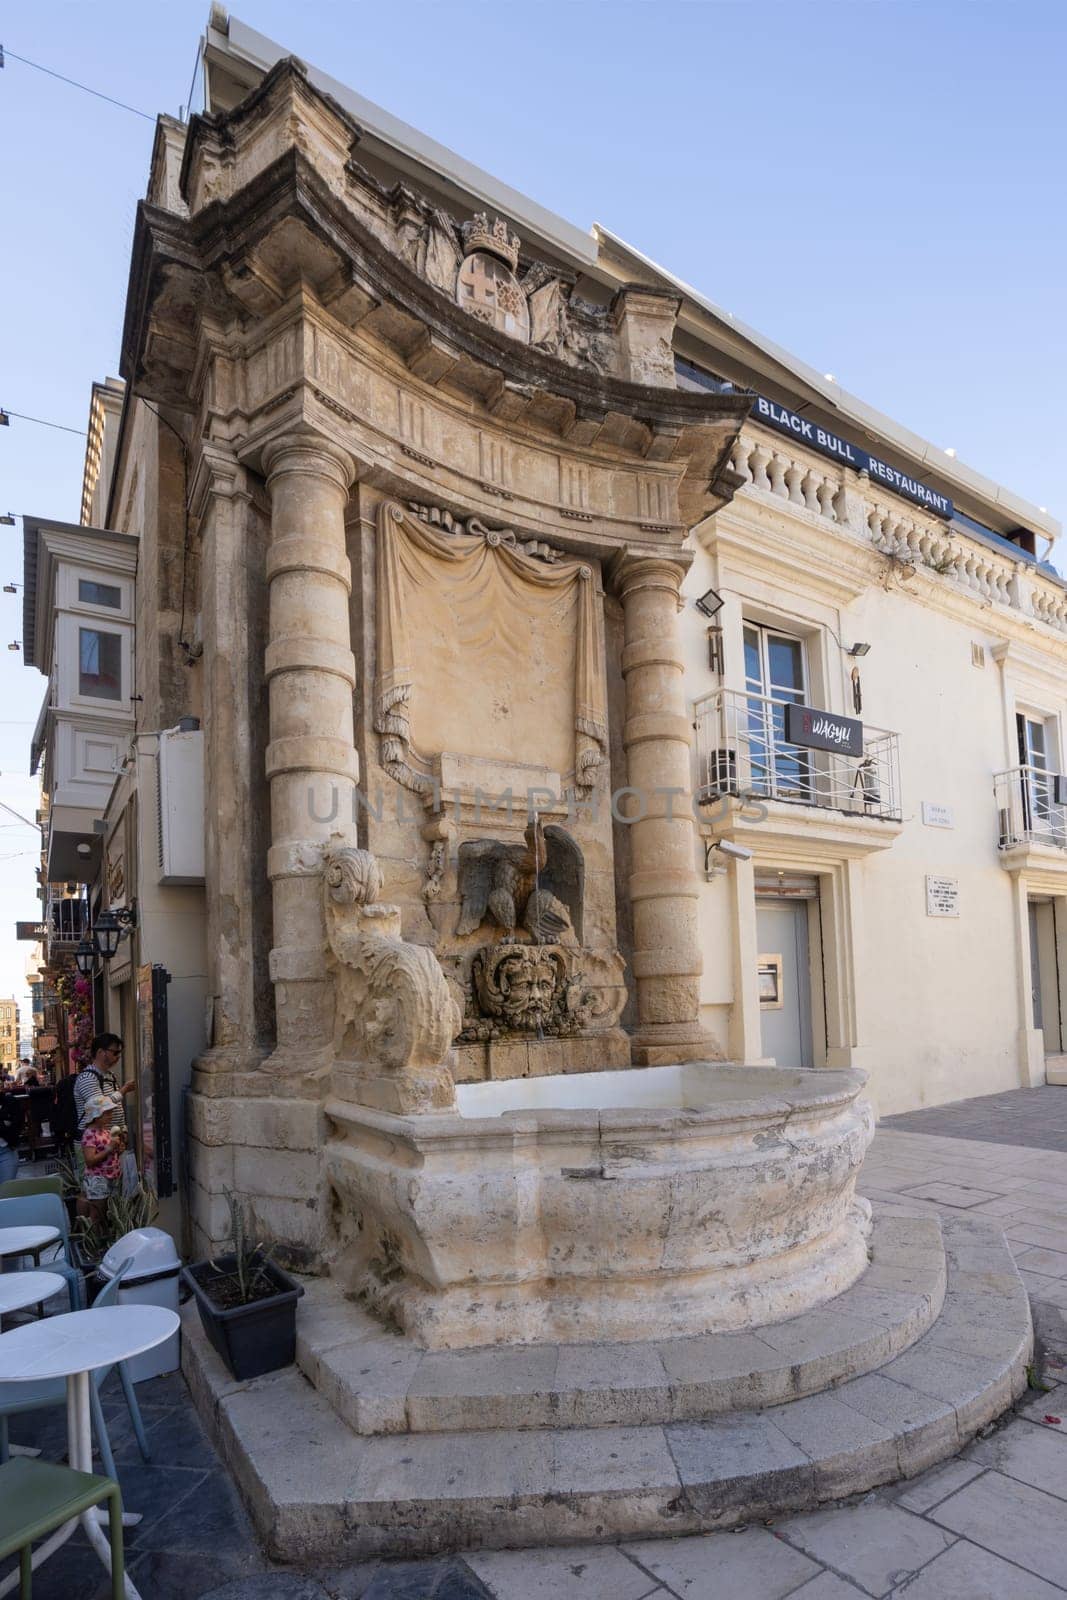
(21, 1289)
(72, 1346)
(27, 1241)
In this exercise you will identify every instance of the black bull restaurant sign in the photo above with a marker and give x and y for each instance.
(822, 730)
(805, 431)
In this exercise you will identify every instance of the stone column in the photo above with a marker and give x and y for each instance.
(221, 499)
(663, 883)
(311, 758)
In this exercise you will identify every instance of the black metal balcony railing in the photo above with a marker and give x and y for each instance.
(1027, 812)
(742, 751)
(68, 921)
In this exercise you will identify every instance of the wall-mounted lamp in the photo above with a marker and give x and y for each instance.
(16, 644)
(8, 521)
(860, 649)
(85, 957)
(709, 603)
(10, 588)
(109, 928)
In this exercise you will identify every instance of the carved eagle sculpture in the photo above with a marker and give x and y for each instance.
(536, 886)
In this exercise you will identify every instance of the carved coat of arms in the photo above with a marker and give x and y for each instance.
(487, 287)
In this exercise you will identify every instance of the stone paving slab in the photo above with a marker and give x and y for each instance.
(1035, 1118)
(381, 1383)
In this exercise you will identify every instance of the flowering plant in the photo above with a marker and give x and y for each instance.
(76, 994)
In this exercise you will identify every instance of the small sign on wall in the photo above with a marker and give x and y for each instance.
(823, 730)
(936, 815)
(942, 896)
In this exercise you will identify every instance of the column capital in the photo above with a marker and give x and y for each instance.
(218, 473)
(312, 454)
(632, 570)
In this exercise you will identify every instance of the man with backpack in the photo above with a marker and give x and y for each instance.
(98, 1075)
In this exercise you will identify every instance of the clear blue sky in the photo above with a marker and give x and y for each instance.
(878, 185)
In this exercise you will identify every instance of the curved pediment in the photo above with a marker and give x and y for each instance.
(300, 289)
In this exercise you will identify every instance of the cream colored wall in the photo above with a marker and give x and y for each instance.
(940, 1002)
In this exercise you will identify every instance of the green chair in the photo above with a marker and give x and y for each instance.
(37, 1497)
(17, 1186)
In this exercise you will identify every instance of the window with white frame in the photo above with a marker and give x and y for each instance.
(93, 593)
(99, 664)
(1037, 742)
(775, 676)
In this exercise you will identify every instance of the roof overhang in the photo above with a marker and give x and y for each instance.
(248, 55)
(701, 317)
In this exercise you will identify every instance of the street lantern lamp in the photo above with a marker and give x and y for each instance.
(84, 958)
(109, 928)
(106, 935)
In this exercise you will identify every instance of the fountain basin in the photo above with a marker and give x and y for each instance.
(651, 1203)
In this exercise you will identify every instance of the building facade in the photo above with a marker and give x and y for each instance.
(435, 498)
(9, 1035)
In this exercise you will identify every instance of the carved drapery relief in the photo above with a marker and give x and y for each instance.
(484, 650)
(394, 1016)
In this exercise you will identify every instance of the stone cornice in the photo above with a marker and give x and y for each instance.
(288, 228)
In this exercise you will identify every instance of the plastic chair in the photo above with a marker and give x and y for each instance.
(37, 1497)
(16, 1398)
(17, 1186)
(47, 1210)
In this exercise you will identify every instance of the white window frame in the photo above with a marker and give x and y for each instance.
(68, 658)
(773, 782)
(68, 599)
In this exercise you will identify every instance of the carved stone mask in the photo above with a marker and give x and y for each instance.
(520, 984)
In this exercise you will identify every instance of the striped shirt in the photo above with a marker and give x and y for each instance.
(91, 1080)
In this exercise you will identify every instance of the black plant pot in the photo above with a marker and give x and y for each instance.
(254, 1338)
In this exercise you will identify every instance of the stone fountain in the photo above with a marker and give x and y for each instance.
(443, 497)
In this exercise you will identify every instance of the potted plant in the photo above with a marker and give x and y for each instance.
(247, 1304)
(122, 1213)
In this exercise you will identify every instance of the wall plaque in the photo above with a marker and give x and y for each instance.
(942, 896)
(937, 816)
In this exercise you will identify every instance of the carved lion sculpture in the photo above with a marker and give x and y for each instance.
(394, 1013)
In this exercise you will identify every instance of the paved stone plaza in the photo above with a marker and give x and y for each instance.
(990, 1523)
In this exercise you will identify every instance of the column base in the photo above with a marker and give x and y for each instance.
(661, 1044)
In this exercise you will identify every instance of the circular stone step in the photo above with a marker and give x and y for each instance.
(379, 1382)
(319, 1492)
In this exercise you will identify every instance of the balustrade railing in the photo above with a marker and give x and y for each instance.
(742, 752)
(1027, 808)
(897, 531)
(67, 920)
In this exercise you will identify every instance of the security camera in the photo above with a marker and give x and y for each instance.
(737, 852)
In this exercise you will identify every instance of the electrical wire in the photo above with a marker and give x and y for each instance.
(74, 84)
(5, 807)
(43, 422)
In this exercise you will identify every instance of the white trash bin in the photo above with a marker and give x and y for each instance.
(151, 1279)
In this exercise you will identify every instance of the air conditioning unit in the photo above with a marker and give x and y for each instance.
(181, 806)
